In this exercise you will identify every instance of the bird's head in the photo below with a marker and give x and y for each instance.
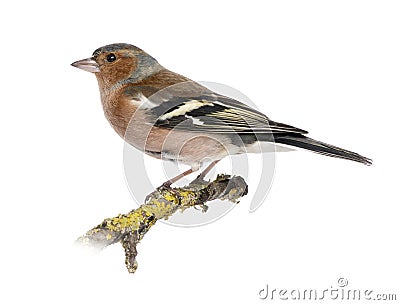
(119, 63)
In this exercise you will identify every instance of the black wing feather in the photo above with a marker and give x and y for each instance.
(217, 114)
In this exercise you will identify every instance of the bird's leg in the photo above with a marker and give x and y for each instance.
(207, 170)
(180, 176)
(188, 172)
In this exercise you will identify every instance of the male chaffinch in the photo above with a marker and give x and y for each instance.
(168, 116)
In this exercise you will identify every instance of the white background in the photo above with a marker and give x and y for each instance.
(331, 67)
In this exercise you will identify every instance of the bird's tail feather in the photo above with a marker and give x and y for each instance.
(321, 148)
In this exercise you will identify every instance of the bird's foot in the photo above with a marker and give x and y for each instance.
(166, 184)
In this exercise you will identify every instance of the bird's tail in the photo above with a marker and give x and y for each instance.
(321, 148)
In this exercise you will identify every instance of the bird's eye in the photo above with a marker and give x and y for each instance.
(111, 57)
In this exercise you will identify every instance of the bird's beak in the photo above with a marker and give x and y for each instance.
(88, 64)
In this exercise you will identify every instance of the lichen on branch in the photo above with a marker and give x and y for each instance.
(130, 228)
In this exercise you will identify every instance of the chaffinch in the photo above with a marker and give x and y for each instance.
(166, 115)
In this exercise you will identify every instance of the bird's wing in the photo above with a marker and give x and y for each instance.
(214, 113)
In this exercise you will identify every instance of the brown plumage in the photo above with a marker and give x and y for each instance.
(167, 115)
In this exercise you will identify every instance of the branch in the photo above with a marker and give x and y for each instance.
(130, 228)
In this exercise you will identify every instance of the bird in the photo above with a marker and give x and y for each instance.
(171, 117)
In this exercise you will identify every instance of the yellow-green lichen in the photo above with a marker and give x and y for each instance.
(130, 228)
(159, 208)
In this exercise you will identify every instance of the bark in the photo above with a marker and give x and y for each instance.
(130, 228)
